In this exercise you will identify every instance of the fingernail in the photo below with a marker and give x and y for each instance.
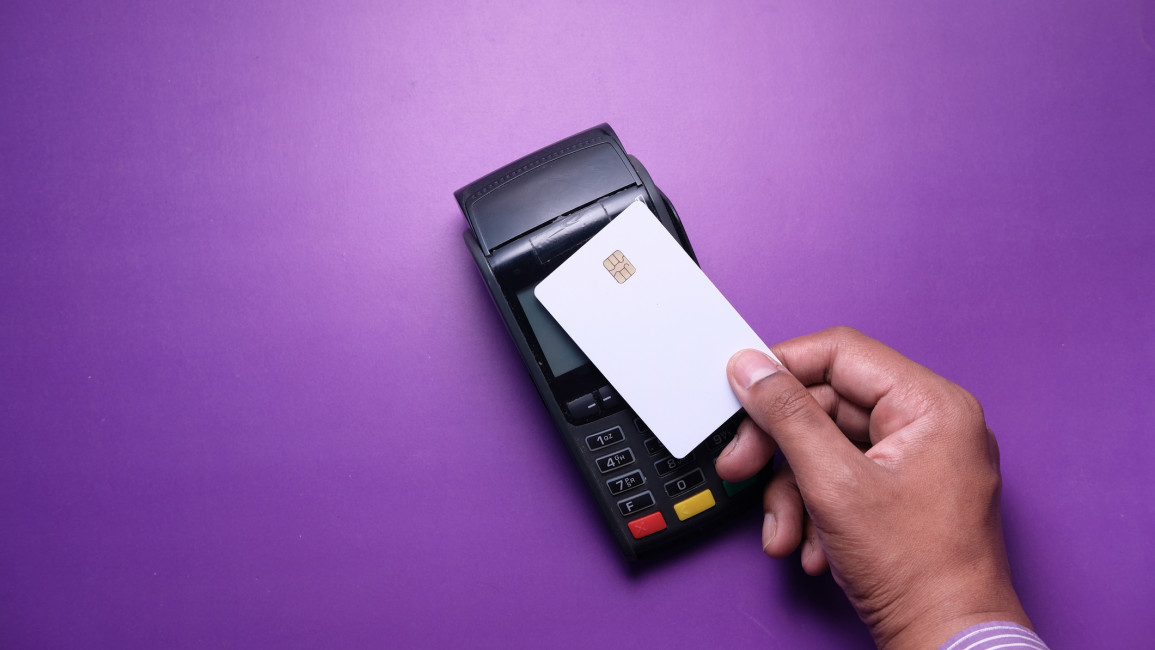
(752, 366)
(769, 529)
(729, 448)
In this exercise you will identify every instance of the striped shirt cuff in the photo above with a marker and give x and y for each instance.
(995, 635)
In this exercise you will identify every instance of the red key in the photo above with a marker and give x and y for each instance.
(647, 525)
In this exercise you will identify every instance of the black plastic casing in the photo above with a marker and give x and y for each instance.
(525, 219)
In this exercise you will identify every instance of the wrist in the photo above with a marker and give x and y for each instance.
(927, 618)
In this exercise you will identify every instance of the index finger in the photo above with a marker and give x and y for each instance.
(863, 371)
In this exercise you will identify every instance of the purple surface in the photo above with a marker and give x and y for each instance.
(255, 395)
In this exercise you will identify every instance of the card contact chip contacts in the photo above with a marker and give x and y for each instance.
(619, 267)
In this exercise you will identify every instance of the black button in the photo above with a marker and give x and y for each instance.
(609, 399)
(719, 438)
(615, 460)
(583, 407)
(605, 438)
(670, 465)
(642, 428)
(683, 483)
(654, 447)
(626, 482)
(636, 504)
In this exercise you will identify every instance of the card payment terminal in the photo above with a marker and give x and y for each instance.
(525, 219)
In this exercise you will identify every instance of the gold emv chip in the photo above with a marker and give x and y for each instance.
(619, 267)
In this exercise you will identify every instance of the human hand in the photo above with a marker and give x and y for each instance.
(910, 528)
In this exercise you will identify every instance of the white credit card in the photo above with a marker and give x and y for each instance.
(653, 324)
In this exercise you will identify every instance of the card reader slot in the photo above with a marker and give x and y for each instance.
(567, 233)
(551, 243)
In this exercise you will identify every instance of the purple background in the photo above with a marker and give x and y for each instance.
(254, 393)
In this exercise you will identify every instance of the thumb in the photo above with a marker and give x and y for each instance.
(782, 407)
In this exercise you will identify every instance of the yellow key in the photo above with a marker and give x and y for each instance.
(696, 504)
